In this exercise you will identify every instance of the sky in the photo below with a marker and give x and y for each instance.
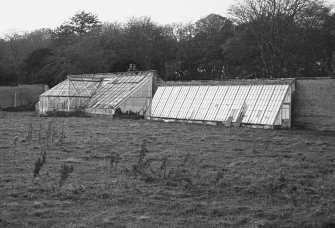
(29, 15)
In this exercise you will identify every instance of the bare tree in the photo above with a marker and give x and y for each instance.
(273, 23)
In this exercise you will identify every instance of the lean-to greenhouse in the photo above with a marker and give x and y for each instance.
(263, 103)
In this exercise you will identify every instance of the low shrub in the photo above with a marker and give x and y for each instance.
(127, 115)
(56, 113)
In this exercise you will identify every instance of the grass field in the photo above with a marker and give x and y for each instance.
(129, 173)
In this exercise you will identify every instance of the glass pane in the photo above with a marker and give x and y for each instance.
(250, 101)
(239, 101)
(170, 102)
(164, 98)
(261, 104)
(179, 102)
(276, 106)
(206, 103)
(194, 108)
(156, 99)
(216, 103)
(225, 107)
(192, 92)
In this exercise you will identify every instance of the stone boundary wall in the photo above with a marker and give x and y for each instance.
(25, 94)
(314, 103)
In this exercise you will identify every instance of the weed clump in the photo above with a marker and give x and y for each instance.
(219, 175)
(48, 133)
(114, 160)
(66, 170)
(53, 135)
(15, 142)
(40, 132)
(39, 163)
(164, 167)
(30, 131)
(184, 174)
(61, 136)
(142, 167)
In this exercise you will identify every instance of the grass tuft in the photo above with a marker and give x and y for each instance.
(65, 171)
(15, 142)
(114, 160)
(40, 162)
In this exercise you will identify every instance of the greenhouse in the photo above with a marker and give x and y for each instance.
(68, 95)
(264, 104)
(100, 93)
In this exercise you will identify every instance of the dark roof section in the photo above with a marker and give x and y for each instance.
(277, 81)
(110, 75)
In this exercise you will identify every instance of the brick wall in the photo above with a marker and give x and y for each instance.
(314, 103)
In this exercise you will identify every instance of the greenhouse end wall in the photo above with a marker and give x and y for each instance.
(60, 104)
(140, 100)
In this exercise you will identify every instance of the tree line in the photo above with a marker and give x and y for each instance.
(260, 39)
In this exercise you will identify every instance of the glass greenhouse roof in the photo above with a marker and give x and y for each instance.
(115, 91)
(73, 88)
(259, 104)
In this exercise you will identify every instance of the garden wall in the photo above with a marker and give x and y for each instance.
(314, 103)
(25, 94)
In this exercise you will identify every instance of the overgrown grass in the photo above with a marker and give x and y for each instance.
(122, 173)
